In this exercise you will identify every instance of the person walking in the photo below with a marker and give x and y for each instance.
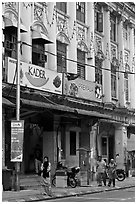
(45, 174)
(101, 171)
(112, 172)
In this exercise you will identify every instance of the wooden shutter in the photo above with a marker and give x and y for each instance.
(100, 22)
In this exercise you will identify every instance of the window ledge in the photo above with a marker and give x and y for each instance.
(62, 13)
(82, 24)
(114, 99)
(99, 33)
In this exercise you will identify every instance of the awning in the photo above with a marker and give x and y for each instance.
(40, 37)
(9, 23)
(92, 113)
(6, 102)
(63, 108)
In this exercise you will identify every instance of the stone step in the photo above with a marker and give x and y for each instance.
(30, 181)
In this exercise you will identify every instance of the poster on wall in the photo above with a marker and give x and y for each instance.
(17, 132)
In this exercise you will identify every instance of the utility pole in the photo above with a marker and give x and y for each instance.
(17, 164)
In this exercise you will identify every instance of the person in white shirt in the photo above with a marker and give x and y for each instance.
(101, 171)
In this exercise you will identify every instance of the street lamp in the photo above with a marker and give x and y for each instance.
(17, 167)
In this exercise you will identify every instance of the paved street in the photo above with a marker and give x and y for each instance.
(125, 195)
(123, 190)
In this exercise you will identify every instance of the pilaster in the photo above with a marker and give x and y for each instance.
(72, 47)
(121, 96)
(121, 145)
(107, 51)
(52, 27)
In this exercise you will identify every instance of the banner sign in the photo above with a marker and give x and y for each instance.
(81, 89)
(17, 132)
(35, 77)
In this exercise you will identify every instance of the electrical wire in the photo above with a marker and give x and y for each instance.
(93, 66)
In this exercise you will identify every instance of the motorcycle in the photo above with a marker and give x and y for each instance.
(71, 175)
(120, 174)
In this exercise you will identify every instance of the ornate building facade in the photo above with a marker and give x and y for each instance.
(77, 77)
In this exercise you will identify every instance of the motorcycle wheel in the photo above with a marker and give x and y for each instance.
(54, 181)
(120, 177)
(72, 182)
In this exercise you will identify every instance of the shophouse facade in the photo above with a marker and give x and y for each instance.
(77, 77)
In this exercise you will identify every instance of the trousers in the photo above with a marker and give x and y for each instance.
(37, 166)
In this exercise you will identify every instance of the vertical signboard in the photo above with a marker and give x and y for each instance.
(17, 132)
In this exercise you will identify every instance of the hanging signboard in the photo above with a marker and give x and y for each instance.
(36, 77)
(17, 132)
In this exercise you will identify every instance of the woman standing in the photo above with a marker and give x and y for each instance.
(45, 169)
(112, 172)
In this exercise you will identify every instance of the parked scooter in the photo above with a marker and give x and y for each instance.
(71, 175)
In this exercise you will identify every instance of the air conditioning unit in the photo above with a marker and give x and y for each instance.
(42, 58)
(9, 45)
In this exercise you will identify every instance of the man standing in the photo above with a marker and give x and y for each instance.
(101, 168)
(38, 158)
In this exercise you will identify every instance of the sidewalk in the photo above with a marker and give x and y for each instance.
(35, 195)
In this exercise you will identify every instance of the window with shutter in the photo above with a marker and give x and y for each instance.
(98, 18)
(126, 86)
(61, 57)
(98, 71)
(10, 45)
(113, 27)
(113, 81)
(38, 54)
(100, 22)
(81, 64)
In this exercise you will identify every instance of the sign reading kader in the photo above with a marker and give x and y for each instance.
(17, 132)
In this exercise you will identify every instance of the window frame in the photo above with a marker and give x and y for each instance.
(126, 86)
(113, 81)
(81, 68)
(113, 27)
(62, 55)
(80, 11)
(98, 71)
(10, 38)
(62, 6)
(98, 18)
(38, 52)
